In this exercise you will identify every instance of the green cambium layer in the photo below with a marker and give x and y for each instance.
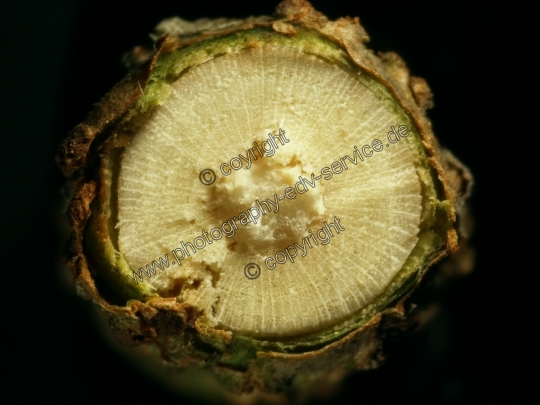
(103, 249)
(435, 218)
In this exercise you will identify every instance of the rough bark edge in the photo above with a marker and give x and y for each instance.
(175, 327)
(73, 151)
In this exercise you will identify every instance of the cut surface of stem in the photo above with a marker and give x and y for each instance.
(261, 197)
(227, 107)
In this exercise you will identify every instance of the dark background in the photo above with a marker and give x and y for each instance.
(59, 58)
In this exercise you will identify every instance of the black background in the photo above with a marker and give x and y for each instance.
(59, 58)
